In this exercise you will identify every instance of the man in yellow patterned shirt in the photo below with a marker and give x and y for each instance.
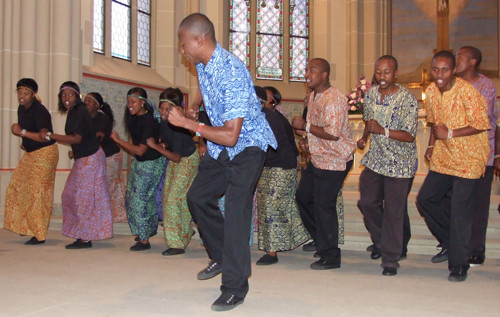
(332, 153)
(458, 151)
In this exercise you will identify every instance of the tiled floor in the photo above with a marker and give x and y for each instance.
(109, 280)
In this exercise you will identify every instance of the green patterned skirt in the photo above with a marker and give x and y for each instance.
(280, 226)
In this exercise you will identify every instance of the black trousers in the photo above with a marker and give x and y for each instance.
(384, 205)
(226, 238)
(317, 202)
(452, 229)
(477, 242)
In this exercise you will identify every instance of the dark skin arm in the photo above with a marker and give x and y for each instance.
(62, 138)
(300, 124)
(496, 162)
(138, 150)
(227, 135)
(171, 156)
(35, 136)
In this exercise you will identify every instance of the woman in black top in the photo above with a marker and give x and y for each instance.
(85, 200)
(146, 169)
(30, 194)
(102, 121)
(280, 225)
(181, 170)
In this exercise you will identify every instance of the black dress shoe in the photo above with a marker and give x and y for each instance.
(210, 271)
(227, 302)
(140, 247)
(403, 256)
(324, 265)
(173, 251)
(389, 271)
(476, 260)
(34, 241)
(376, 253)
(440, 257)
(311, 246)
(458, 274)
(316, 255)
(267, 259)
(79, 244)
(370, 248)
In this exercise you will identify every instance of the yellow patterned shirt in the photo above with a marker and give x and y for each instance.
(329, 111)
(459, 107)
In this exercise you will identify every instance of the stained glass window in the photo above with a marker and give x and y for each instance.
(299, 38)
(143, 31)
(99, 26)
(269, 40)
(239, 29)
(120, 28)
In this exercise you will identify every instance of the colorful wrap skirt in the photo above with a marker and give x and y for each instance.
(30, 194)
(114, 165)
(85, 199)
(176, 214)
(280, 225)
(140, 197)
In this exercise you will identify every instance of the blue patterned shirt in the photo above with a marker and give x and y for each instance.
(228, 93)
(398, 111)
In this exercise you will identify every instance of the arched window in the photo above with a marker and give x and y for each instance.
(271, 23)
(123, 15)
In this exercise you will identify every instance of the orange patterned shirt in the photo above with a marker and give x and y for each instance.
(459, 107)
(329, 111)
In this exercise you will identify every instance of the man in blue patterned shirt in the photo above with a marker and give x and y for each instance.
(237, 141)
(390, 164)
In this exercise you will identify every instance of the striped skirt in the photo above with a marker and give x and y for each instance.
(140, 200)
(85, 200)
(280, 225)
(176, 214)
(114, 165)
(30, 194)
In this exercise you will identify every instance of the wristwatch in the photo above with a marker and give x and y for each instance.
(23, 132)
(47, 137)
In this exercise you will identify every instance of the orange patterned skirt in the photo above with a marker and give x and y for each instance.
(30, 194)
(114, 165)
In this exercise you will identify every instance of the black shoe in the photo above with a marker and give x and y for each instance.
(370, 248)
(79, 244)
(439, 247)
(458, 274)
(210, 271)
(34, 241)
(311, 246)
(476, 260)
(173, 251)
(227, 302)
(440, 257)
(389, 271)
(403, 256)
(376, 253)
(316, 255)
(267, 259)
(324, 265)
(140, 247)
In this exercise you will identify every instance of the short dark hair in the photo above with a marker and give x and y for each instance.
(476, 54)
(388, 57)
(175, 95)
(445, 54)
(199, 25)
(276, 94)
(325, 66)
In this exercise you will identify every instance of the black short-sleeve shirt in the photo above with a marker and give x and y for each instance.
(285, 156)
(79, 122)
(141, 129)
(34, 119)
(178, 140)
(102, 123)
